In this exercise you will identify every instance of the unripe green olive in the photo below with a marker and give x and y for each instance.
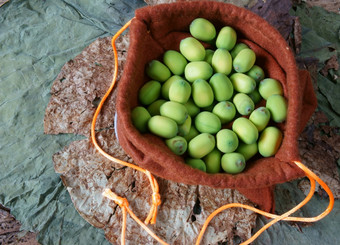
(192, 133)
(270, 86)
(163, 126)
(225, 110)
(166, 85)
(242, 83)
(213, 161)
(226, 141)
(243, 103)
(260, 117)
(175, 111)
(175, 61)
(184, 128)
(208, 56)
(221, 61)
(222, 87)
(201, 145)
(192, 108)
(207, 122)
(149, 92)
(245, 130)
(233, 163)
(198, 70)
(180, 91)
(192, 49)
(244, 60)
(202, 29)
(196, 163)
(177, 145)
(255, 96)
(256, 73)
(202, 93)
(156, 70)
(140, 117)
(269, 141)
(277, 105)
(247, 150)
(226, 38)
(237, 48)
(155, 106)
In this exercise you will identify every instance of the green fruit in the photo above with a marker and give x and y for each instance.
(202, 29)
(198, 70)
(196, 163)
(192, 133)
(140, 117)
(233, 163)
(177, 145)
(226, 141)
(192, 49)
(175, 61)
(221, 61)
(184, 128)
(244, 60)
(225, 110)
(201, 145)
(208, 56)
(238, 47)
(149, 92)
(180, 91)
(245, 130)
(243, 103)
(155, 106)
(222, 87)
(175, 111)
(269, 141)
(226, 38)
(202, 93)
(255, 96)
(243, 83)
(260, 117)
(248, 151)
(156, 70)
(270, 86)
(192, 108)
(166, 86)
(163, 126)
(256, 73)
(277, 105)
(207, 122)
(213, 161)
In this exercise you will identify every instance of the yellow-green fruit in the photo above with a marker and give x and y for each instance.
(213, 161)
(192, 133)
(270, 86)
(149, 92)
(202, 93)
(255, 96)
(238, 47)
(245, 130)
(226, 38)
(175, 61)
(140, 117)
(166, 86)
(201, 145)
(192, 49)
(180, 91)
(177, 145)
(202, 29)
(256, 73)
(260, 117)
(196, 163)
(244, 60)
(221, 61)
(222, 87)
(175, 111)
(156, 70)
(184, 128)
(277, 105)
(248, 151)
(192, 108)
(226, 141)
(233, 163)
(208, 56)
(207, 122)
(243, 103)
(198, 70)
(243, 83)
(163, 126)
(225, 110)
(269, 141)
(155, 106)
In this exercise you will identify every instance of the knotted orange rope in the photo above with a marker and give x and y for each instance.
(123, 203)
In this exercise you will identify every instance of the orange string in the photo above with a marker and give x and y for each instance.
(122, 202)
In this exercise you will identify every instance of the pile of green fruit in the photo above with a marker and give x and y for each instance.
(203, 101)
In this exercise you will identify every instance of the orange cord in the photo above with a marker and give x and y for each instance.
(122, 202)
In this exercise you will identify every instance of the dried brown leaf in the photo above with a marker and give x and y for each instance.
(331, 63)
(329, 5)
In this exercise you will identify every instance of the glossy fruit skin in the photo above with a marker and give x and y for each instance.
(166, 85)
(208, 56)
(245, 130)
(243, 103)
(163, 126)
(201, 145)
(248, 151)
(226, 38)
(149, 92)
(197, 70)
(237, 48)
(243, 83)
(140, 117)
(260, 117)
(222, 87)
(175, 111)
(221, 61)
(180, 91)
(270, 86)
(202, 29)
(244, 60)
(177, 145)
(277, 105)
(155, 106)
(175, 61)
(202, 93)
(207, 122)
(192, 49)
(233, 163)
(192, 108)
(193, 132)
(184, 128)
(196, 163)
(156, 70)
(226, 141)
(213, 161)
(255, 96)
(269, 141)
(225, 110)
(257, 73)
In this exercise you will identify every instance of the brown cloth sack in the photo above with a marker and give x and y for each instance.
(160, 28)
